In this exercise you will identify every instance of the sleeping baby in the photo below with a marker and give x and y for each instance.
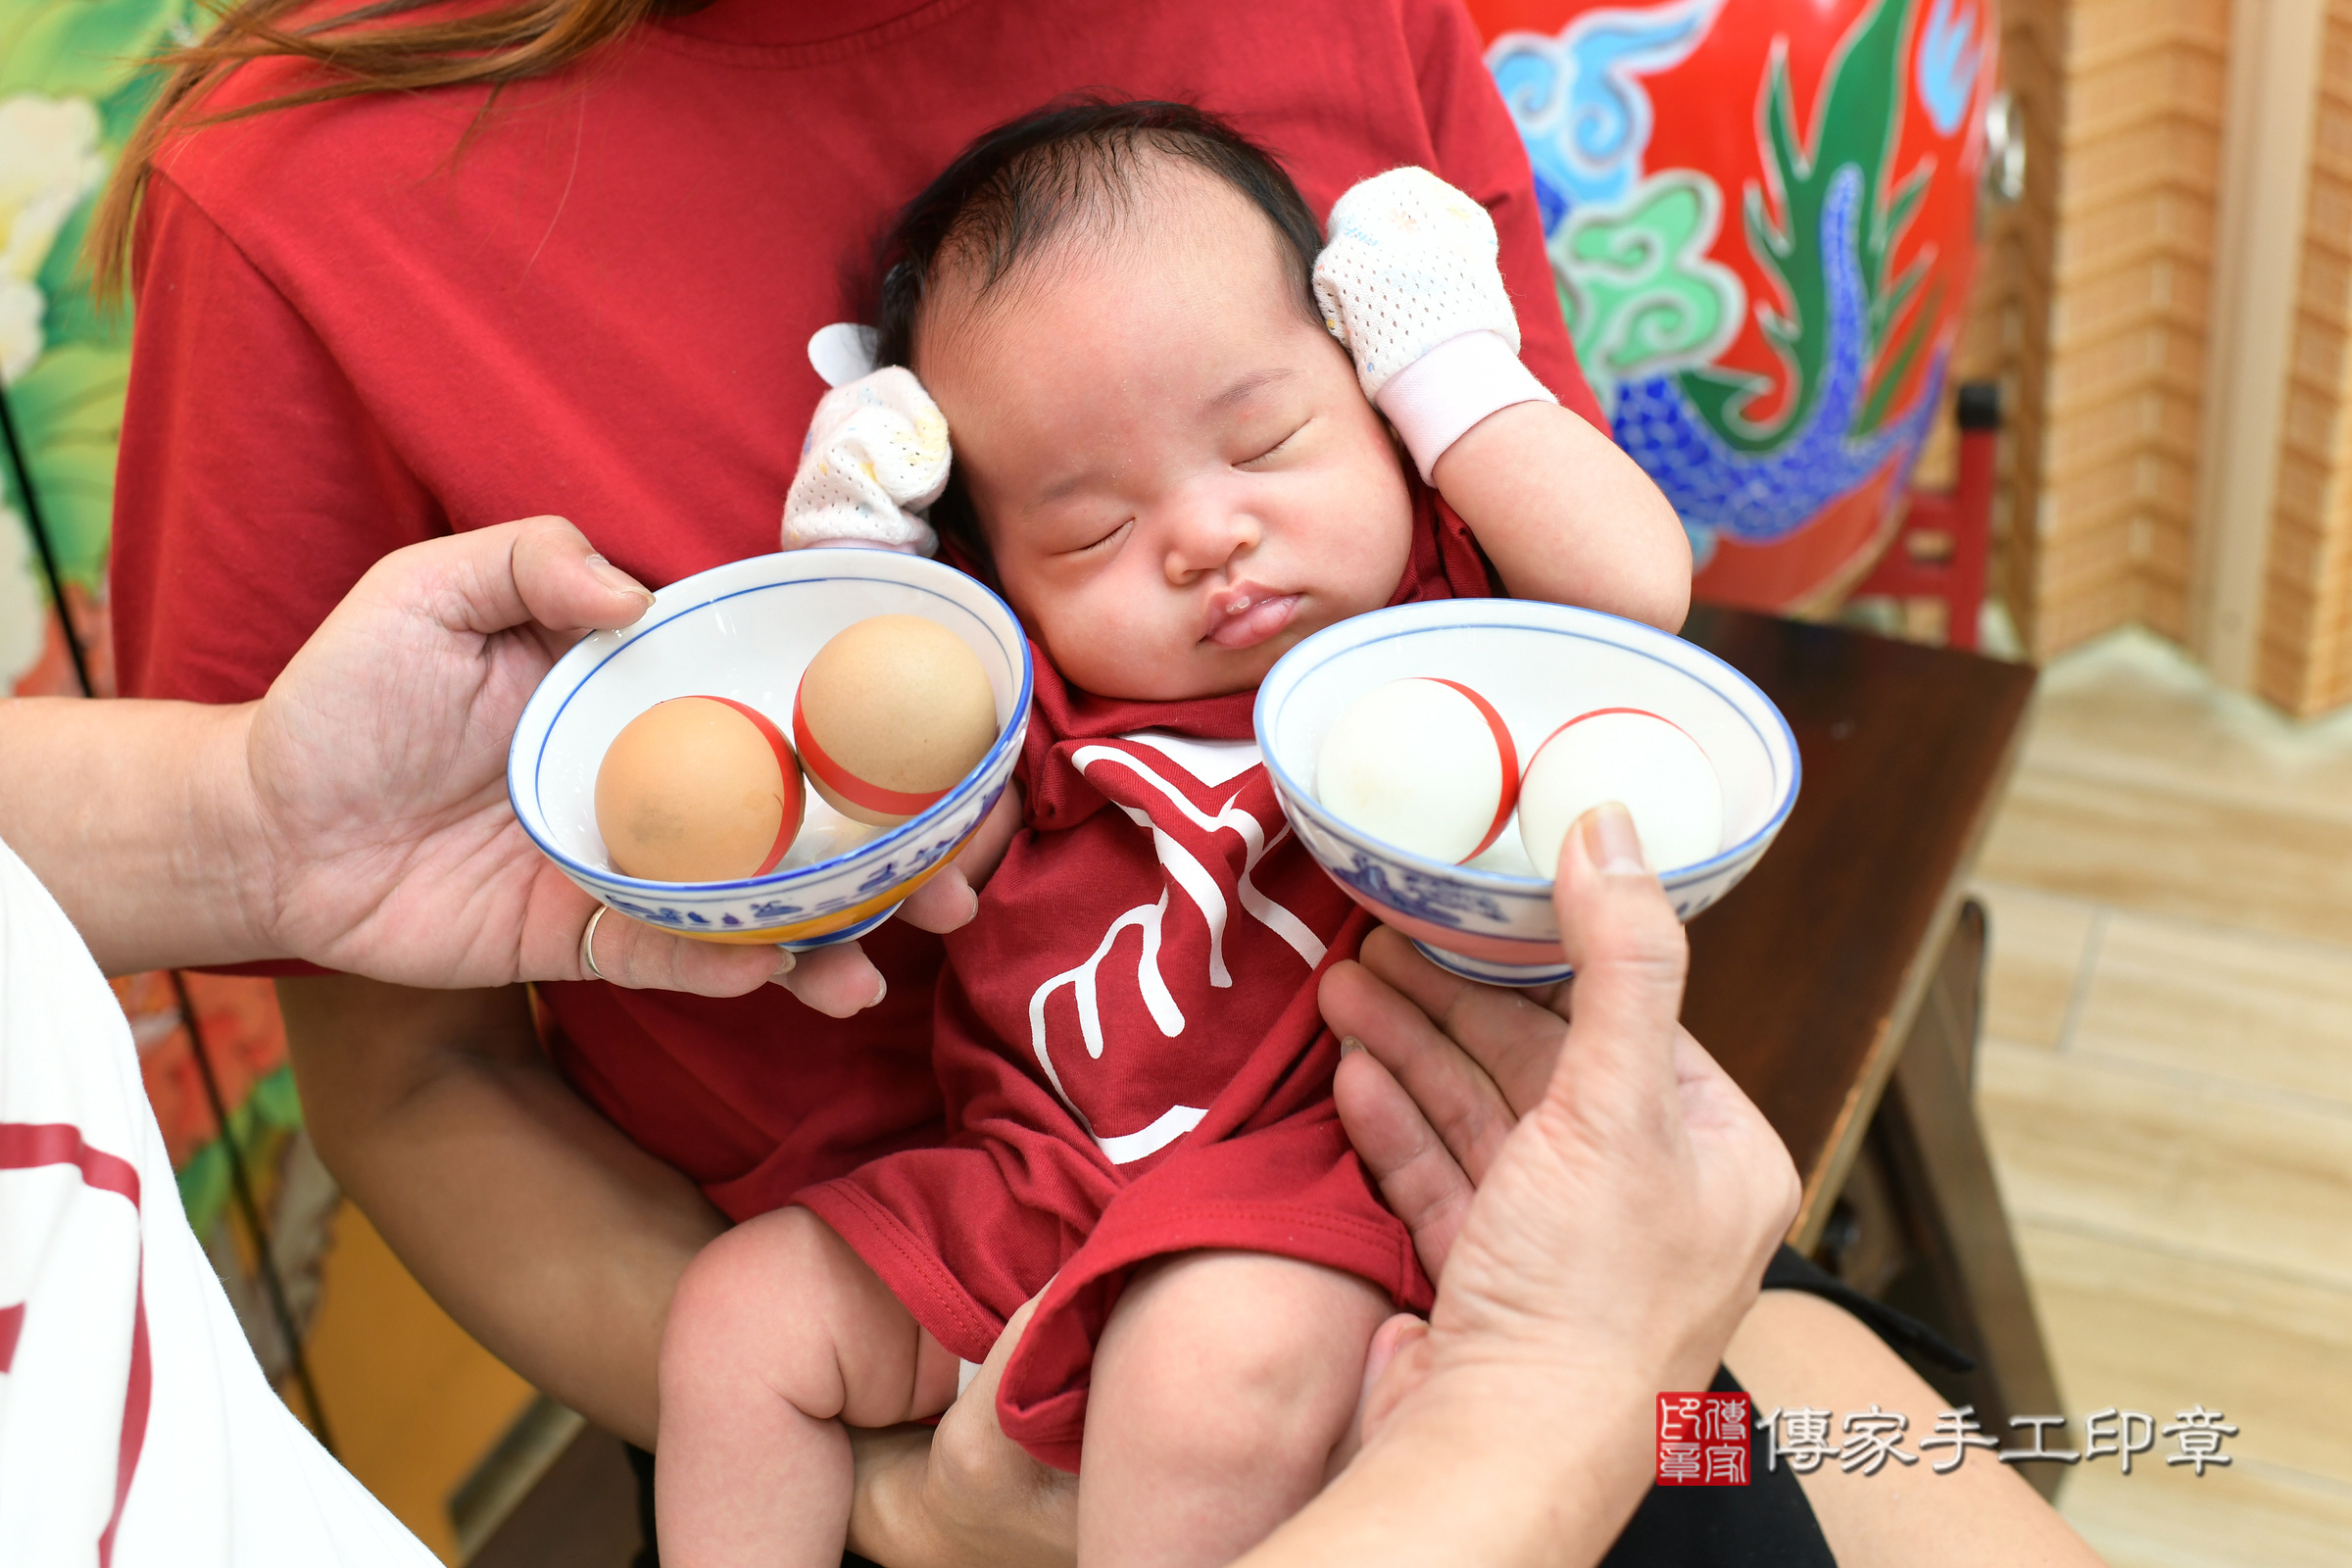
(1187, 433)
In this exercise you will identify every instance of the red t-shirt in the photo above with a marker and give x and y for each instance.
(364, 323)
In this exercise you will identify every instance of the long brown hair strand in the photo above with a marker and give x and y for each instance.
(359, 51)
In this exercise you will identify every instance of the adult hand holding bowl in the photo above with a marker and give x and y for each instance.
(745, 632)
(1538, 667)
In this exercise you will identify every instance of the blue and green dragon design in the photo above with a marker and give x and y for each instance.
(1651, 312)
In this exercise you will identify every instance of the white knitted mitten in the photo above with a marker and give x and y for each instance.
(1408, 281)
(876, 454)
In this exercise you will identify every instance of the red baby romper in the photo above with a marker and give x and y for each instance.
(1129, 1043)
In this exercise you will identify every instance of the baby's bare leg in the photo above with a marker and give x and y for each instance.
(778, 1335)
(1222, 1384)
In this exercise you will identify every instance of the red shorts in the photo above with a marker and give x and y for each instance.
(964, 1234)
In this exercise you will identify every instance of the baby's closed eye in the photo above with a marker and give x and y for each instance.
(1102, 541)
(1262, 448)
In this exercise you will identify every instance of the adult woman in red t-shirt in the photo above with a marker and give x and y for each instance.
(368, 317)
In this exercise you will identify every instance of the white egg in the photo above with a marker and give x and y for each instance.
(1423, 765)
(1647, 763)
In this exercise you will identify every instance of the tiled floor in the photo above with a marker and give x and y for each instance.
(2167, 1083)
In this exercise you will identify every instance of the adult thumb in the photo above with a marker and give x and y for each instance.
(1629, 951)
(487, 580)
(566, 585)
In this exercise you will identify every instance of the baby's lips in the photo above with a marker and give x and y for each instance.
(1246, 616)
(1226, 602)
(1235, 599)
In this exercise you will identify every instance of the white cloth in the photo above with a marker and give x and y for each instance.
(1434, 401)
(875, 455)
(1410, 282)
(841, 352)
(135, 1427)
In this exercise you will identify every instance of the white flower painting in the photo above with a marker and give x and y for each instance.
(49, 161)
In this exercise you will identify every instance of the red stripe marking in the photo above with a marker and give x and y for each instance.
(846, 784)
(1598, 712)
(1510, 764)
(139, 1390)
(25, 1144)
(788, 771)
(12, 1324)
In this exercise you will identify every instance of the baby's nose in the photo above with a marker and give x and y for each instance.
(1207, 537)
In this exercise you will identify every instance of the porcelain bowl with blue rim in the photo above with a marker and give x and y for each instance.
(1539, 666)
(745, 631)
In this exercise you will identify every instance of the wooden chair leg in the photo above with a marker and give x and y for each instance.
(1952, 1211)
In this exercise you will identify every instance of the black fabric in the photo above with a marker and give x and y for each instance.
(1765, 1524)
(1791, 1270)
(641, 1462)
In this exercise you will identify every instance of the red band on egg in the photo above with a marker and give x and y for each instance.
(788, 767)
(1598, 712)
(847, 785)
(1510, 764)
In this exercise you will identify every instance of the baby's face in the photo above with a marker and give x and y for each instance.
(1176, 470)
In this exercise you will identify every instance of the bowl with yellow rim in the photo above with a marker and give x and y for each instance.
(745, 631)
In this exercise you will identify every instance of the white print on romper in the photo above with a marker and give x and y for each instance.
(1210, 763)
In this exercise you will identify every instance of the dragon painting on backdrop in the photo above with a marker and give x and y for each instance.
(1761, 216)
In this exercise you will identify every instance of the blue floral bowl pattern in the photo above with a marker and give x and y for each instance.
(745, 631)
(1540, 666)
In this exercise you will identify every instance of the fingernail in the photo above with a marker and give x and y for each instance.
(617, 580)
(881, 990)
(1610, 842)
(1349, 1046)
(786, 959)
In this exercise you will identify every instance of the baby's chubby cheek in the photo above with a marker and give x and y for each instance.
(1116, 640)
(1369, 538)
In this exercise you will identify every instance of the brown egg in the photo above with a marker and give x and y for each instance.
(890, 715)
(697, 789)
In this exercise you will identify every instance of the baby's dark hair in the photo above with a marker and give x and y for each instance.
(1076, 163)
